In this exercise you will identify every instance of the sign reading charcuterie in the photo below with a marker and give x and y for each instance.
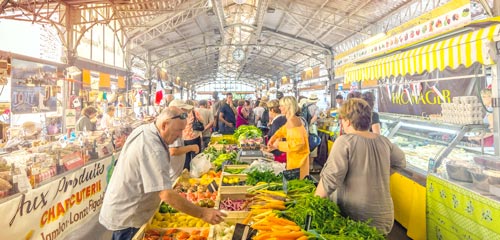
(52, 210)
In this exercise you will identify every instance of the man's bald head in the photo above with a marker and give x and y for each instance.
(170, 125)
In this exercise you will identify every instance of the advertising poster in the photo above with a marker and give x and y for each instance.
(422, 98)
(31, 87)
(51, 211)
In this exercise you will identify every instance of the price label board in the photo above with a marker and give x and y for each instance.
(243, 232)
(290, 175)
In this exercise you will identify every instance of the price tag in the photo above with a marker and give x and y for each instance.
(307, 225)
(213, 187)
(243, 232)
(291, 174)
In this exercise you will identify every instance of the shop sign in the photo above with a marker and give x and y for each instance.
(95, 79)
(51, 211)
(70, 118)
(420, 98)
(426, 26)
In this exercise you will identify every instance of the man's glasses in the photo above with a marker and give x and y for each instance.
(182, 116)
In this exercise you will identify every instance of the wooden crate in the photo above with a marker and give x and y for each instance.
(230, 167)
(229, 189)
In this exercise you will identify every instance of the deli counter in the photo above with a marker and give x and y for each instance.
(445, 156)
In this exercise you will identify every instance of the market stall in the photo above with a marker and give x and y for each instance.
(262, 200)
(425, 83)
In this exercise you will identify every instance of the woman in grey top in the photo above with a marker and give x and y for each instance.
(359, 168)
(85, 122)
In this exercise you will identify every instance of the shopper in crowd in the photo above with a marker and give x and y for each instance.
(107, 119)
(339, 100)
(141, 179)
(279, 95)
(178, 150)
(277, 120)
(370, 99)
(168, 99)
(208, 121)
(358, 168)
(189, 135)
(242, 113)
(258, 111)
(354, 94)
(227, 115)
(292, 137)
(85, 123)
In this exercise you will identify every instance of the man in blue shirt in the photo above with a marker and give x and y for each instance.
(227, 116)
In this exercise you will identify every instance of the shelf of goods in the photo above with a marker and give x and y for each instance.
(51, 186)
(431, 147)
(253, 198)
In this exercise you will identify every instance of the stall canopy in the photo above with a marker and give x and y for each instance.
(465, 49)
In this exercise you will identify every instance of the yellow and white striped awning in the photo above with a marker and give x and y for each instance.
(464, 49)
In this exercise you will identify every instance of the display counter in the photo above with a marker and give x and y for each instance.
(429, 147)
(458, 210)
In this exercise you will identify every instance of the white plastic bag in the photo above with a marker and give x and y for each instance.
(200, 165)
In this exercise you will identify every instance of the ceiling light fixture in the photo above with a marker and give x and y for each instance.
(239, 1)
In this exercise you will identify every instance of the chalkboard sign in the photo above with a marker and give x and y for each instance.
(291, 174)
(213, 187)
(243, 232)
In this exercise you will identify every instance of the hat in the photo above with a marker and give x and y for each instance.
(279, 95)
(313, 98)
(180, 104)
(302, 102)
(264, 99)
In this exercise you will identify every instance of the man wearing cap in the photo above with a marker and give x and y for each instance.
(177, 149)
(141, 179)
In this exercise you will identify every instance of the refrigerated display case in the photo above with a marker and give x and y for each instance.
(429, 146)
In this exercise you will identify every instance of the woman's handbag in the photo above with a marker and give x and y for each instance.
(197, 125)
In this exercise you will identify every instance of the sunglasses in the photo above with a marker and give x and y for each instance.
(181, 116)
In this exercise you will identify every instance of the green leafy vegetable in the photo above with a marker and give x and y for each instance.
(247, 131)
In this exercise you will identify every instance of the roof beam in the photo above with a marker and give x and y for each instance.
(312, 17)
(173, 22)
(361, 6)
(221, 20)
(292, 38)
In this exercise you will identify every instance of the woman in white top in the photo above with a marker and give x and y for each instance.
(107, 119)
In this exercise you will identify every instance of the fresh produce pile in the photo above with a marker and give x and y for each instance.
(223, 231)
(176, 220)
(233, 204)
(165, 208)
(234, 170)
(272, 227)
(328, 221)
(176, 234)
(232, 181)
(267, 176)
(218, 158)
(249, 137)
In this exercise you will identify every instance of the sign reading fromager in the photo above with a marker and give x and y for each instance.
(52, 210)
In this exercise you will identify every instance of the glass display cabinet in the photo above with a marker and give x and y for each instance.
(429, 145)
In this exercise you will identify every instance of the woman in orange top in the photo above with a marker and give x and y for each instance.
(292, 138)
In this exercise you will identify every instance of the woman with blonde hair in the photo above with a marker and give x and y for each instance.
(292, 137)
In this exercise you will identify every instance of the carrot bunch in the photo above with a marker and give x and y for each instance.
(265, 203)
(275, 228)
